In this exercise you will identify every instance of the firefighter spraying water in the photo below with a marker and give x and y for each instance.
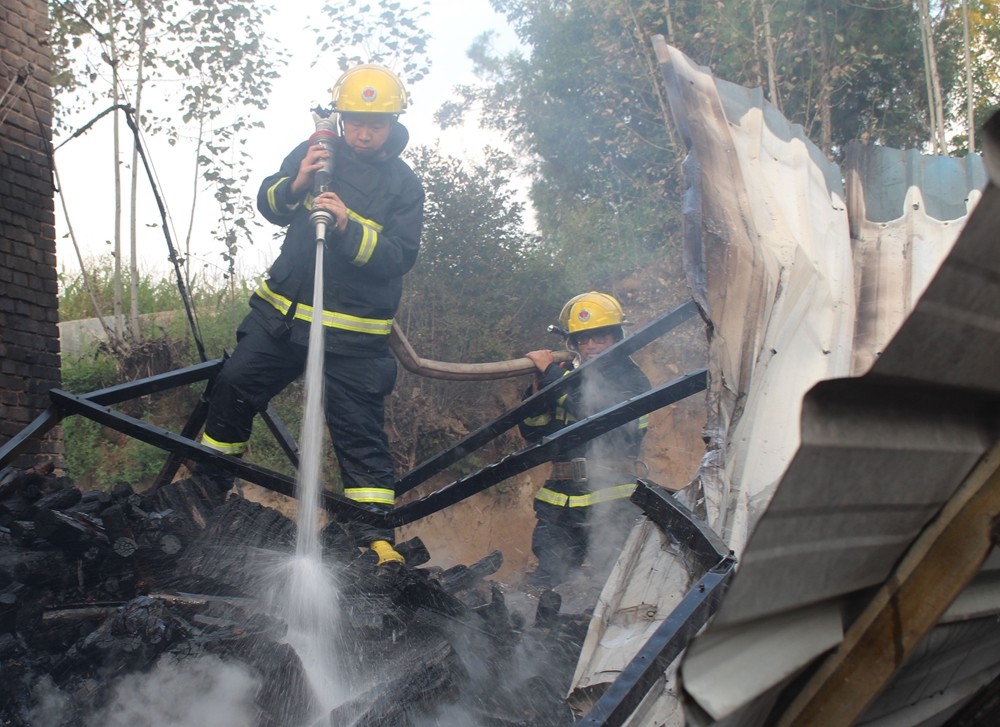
(353, 213)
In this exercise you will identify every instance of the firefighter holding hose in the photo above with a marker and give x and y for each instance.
(347, 183)
(583, 510)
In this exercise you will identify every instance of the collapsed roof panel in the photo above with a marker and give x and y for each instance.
(905, 210)
(864, 465)
(808, 282)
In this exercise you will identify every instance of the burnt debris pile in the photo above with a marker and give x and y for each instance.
(100, 587)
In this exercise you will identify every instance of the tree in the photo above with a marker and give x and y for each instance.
(935, 100)
(586, 101)
(844, 71)
(215, 63)
(479, 284)
(979, 97)
(379, 31)
(474, 242)
(585, 104)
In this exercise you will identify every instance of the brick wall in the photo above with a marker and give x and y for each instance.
(29, 334)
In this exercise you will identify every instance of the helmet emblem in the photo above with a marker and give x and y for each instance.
(368, 94)
(583, 315)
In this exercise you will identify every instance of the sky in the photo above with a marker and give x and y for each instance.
(85, 169)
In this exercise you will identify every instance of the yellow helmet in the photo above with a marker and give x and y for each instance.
(591, 310)
(369, 89)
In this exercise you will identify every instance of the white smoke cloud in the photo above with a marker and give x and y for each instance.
(182, 693)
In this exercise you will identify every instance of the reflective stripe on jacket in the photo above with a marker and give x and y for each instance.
(331, 319)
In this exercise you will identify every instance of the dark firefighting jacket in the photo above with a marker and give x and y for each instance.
(363, 268)
(604, 468)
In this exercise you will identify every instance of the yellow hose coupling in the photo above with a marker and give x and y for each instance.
(386, 553)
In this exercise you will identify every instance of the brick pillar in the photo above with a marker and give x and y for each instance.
(29, 314)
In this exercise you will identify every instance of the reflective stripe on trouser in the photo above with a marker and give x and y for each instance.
(606, 494)
(231, 448)
(372, 495)
(565, 536)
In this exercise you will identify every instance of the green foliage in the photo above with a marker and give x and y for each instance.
(844, 71)
(85, 450)
(211, 66)
(984, 53)
(218, 305)
(584, 103)
(585, 99)
(475, 252)
(75, 301)
(98, 457)
(89, 370)
(381, 31)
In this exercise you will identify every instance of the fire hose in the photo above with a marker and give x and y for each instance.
(413, 363)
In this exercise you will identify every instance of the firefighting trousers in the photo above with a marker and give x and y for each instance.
(564, 537)
(354, 389)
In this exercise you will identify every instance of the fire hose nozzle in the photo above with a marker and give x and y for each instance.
(322, 220)
(325, 135)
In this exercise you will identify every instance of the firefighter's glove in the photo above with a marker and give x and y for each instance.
(386, 553)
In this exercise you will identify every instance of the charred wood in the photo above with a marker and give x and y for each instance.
(239, 543)
(337, 543)
(61, 498)
(36, 567)
(16, 506)
(11, 598)
(547, 612)
(460, 577)
(96, 585)
(414, 551)
(78, 614)
(414, 590)
(129, 639)
(423, 679)
(22, 532)
(193, 500)
(93, 502)
(65, 528)
(28, 482)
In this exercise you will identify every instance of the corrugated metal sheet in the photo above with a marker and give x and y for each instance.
(808, 281)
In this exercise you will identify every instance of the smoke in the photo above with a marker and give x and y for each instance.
(51, 704)
(609, 523)
(182, 693)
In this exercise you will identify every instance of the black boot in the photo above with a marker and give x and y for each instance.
(218, 477)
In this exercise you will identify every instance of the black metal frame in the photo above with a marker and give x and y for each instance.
(95, 406)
